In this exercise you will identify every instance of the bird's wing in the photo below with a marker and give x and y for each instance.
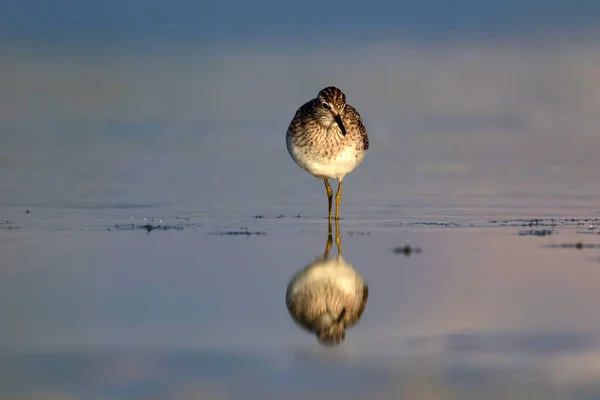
(356, 120)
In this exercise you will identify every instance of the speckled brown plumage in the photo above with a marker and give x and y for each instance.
(314, 133)
(327, 138)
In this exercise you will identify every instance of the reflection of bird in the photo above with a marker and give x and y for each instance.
(327, 296)
(327, 138)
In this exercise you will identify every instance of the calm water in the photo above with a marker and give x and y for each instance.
(477, 151)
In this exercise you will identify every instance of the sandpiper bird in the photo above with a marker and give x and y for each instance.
(327, 138)
(327, 296)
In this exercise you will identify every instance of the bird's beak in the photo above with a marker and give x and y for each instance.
(341, 316)
(338, 119)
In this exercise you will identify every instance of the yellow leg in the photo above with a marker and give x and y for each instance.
(329, 197)
(338, 239)
(338, 197)
(328, 246)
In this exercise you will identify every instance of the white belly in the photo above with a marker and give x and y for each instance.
(335, 167)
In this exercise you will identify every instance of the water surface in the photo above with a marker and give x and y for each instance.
(484, 157)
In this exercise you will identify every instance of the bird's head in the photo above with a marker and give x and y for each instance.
(331, 331)
(329, 106)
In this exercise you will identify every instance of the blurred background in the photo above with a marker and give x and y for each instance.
(480, 99)
(116, 112)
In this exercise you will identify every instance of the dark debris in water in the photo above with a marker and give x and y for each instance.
(157, 224)
(148, 227)
(407, 250)
(352, 233)
(243, 231)
(531, 222)
(240, 233)
(441, 224)
(536, 232)
(8, 225)
(578, 246)
(589, 223)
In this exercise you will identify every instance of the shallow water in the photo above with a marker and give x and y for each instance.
(497, 190)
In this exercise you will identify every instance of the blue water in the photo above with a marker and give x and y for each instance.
(484, 157)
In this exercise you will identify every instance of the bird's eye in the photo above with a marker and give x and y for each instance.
(326, 106)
